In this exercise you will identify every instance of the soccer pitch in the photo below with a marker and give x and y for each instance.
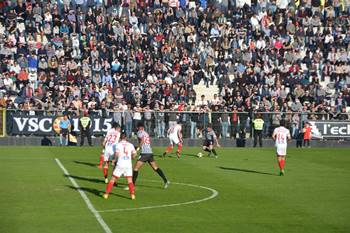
(238, 192)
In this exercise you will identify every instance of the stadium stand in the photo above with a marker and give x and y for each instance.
(268, 56)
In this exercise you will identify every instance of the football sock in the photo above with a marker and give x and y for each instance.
(179, 148)
(169, 149)
(109, 186)
(134, 176)
(105, 171)
(161, 174)
(282, 164)
(131, 188)
(101, 159)
(214, 151)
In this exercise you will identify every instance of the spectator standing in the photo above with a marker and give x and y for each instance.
(225, 122)
(128, 118)
(194, 116)
(234, 122)
(160, 122)
(307, 134)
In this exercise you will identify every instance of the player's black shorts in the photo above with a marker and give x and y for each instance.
(64, 132)
(146, 158)
(208, 143)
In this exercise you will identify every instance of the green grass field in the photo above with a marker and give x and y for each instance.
(314, 196)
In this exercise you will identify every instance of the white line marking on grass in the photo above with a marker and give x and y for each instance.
(214, 193)
(85, 198)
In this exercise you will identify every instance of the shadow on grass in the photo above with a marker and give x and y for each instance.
(173, 155)
(247, 170)
(96, 192)
(120, 184)
(85, 163)
(93, 180)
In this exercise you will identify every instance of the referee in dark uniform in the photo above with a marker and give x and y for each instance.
(84, 126)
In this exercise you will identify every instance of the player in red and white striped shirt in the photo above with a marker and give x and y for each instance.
(281, 135)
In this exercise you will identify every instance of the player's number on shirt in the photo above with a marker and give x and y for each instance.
(112, 138)
(125, 153)
(281, 138)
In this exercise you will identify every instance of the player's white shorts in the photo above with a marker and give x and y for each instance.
(109, 153)
(122, 171)
(174, 140)
(281, 150)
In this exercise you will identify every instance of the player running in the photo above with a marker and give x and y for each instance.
(281, 135)
(146, 155)
(109, 144)
(125, 152)
(175, 137)
(210, 140)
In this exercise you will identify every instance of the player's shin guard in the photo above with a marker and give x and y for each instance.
(161, 174)
(134, 176)
(131, 188)
(214, 151)
(109, 186)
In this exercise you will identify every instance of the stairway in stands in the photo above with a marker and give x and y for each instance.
(209, 92)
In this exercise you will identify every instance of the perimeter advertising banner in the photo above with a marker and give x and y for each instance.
(330, 129)
(49, 125)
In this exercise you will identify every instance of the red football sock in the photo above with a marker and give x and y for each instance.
(105, 171)
(101, 160)
(169, 149)
(131, 188)
(282, 164)
(109, 186)
(179, 148)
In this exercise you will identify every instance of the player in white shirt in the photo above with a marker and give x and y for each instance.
(109, 144)
(281, 135)
(175, 137)
(125, 152)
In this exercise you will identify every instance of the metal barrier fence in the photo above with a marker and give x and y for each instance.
(225, 124)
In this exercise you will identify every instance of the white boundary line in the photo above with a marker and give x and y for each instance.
(213, 195)
(85, 198)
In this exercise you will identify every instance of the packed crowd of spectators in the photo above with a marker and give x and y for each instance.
(143, 55)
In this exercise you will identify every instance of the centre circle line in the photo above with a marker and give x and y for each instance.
(214, 193)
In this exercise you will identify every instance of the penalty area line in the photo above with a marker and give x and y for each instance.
(85, 198)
